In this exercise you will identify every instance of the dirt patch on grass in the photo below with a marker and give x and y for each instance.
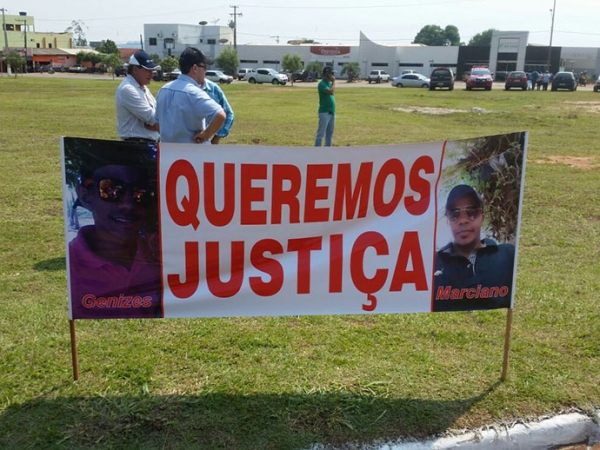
(593, 107)
(579, 162)
(441, 111)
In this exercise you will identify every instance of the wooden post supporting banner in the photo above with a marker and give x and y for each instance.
(74, 350)
(509, 316)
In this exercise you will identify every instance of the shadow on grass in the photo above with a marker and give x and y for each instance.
(220, 420)
(51, 265)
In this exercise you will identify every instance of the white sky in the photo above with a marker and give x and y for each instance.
(329, 22)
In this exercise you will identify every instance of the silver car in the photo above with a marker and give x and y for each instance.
(415, 80)
(266, 76)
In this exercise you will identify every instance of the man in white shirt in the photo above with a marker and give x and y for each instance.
(136, 106)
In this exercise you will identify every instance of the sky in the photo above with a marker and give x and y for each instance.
(328, 22)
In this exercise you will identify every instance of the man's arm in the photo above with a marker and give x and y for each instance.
(136, 104)
(211, 129)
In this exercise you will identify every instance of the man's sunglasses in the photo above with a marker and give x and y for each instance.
(112, 190)
(472, 213)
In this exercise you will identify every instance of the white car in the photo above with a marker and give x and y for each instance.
(218, 77)
(266, 76)
(377, 76)
(243, 73)
(411, 80)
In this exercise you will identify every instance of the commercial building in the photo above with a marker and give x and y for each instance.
(509, 50)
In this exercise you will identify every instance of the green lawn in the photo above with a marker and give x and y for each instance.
(287, 382)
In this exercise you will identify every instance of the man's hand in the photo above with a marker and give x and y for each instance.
(154, 127)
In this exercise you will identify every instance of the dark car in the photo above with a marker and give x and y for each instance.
(516, 79)
(480, 77)
(564, 80)
(441, 77)
(121, 71)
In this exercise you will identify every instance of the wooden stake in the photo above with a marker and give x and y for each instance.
(509, 317)
(74, 350)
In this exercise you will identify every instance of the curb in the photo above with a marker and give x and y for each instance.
(560, 430)
(543, 434)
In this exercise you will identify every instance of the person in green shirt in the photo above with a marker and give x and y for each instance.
(326, 90)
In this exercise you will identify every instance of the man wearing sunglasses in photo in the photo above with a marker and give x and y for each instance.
(186, 113)
(114, 267)
(471, 273)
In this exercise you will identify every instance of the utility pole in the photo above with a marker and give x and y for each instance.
(8, 71)
(276, 38)
(553, 11)
(233, 24)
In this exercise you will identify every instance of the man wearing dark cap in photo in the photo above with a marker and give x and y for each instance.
(186, 113)
(136, 106)
(470, 272)
(326, 89)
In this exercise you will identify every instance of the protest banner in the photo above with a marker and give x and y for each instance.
(201, 231)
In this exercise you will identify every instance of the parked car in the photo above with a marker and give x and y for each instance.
(241, 73)
(516, 79)
(218, 77)
(158, 75)
(597, 85)
(564, 80)
(441, 77)
(265, 75)
(377, 76)
(121, 71)
(411, 80)
(169, 76)
(77, 68)
(480, 77)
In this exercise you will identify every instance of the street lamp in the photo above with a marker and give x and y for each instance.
(553, 11)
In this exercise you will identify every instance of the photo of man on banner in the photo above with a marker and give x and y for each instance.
(476, 258)
(113, 260)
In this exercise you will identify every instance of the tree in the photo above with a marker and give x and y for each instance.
(452, 36)
(15, 60)
(112, 61)
(292, 62)
(169, 64)
(435, 36)
(92, 57)
(228, 60)
(108, 47)
(77, 31)
(352, 69)
(483, 39)
(314, 69)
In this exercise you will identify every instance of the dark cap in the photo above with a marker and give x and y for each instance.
(460, 191)
(141, 58)
(327, 69)
(191, 56)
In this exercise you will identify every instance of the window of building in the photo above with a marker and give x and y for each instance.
(211, 41)
(270, 61)
(152, 41)
(410, 64)
(248, 61)
(379, 64)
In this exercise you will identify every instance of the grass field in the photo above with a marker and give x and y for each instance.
(288, 382)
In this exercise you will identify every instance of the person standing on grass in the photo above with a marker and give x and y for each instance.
(186, 113)
(545, 80)
(136, 106)
(471, 273)
(326, 89)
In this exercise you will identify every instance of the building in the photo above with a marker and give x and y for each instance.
(509, 50)
(20, 36)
